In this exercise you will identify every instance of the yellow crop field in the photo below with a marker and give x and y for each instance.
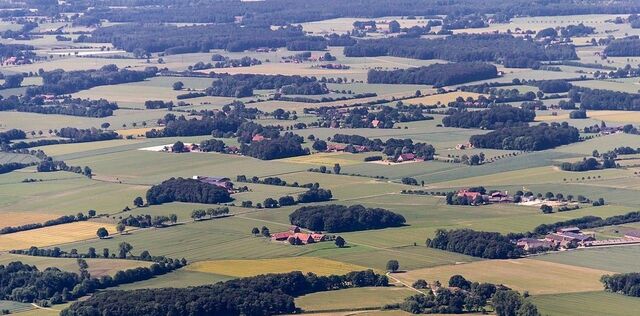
(53, 235)
(531, 275)
(326, 159)
(443, 98)
(136, 132)
(21, 218)
(246, 268)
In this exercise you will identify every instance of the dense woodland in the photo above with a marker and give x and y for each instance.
(63, 82)
(339, 218)
(588, 164)
(242, 85)
(288, 145)
(186, 190)
(493, 118)
(438, 75)
(510, 51)
(142, 39)
(16, 50)
(528, 138)
(625, 47)
(66, 106)
(270, 294)
(486, 245)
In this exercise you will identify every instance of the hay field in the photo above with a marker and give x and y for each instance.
(135, 132)
(357, 298)
(537, 277)
(53, 235)
(328, 159)
(246, 268)
(443, 98)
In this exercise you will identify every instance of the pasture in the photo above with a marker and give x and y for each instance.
(246, 268)
(616, 259)
(587, 303)
(537, 277)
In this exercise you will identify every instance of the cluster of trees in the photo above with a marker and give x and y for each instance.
(488, 245)
(270, 294)
(52, 222)
(588, 164)
(226, 62)
(307, 88)
(186, 190)
(145, 220)
(63, 82)
(10, 166)
(158, 104)
(50, 165)
(625, 283)
(67, 106)
(528, 138)
(78, 135)
(211, 212)
(578, 114)
(492, 118)
(288, 145)
(623, 47)
(598, 99)
(392, 147)
(340, 218)
(19, 51)
(438, 75)
(468, 297)
(364, 117)
(143, 39)
(242, 85)
(508, 50)
(12, 134)
(552, 86)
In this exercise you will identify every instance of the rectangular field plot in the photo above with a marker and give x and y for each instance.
(357, 298)
(245, 268)
(53, 235)
(618, 259)
(588, 303)
(537, 277)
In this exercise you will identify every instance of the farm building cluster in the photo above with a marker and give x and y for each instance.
(573, 237)
(295, 236)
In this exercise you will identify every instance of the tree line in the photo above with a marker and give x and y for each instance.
(493, 118)
(340, 218)
(65, 219)
(270, 294)
(437, 75)
(528, 138)
(242, 85)
(599, 99)
(624, 47)
(625, 283)
(66, 106)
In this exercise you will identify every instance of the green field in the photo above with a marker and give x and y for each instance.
(352, 299)
(590, 303)
(617, 259)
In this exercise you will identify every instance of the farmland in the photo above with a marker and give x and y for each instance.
(248, 102)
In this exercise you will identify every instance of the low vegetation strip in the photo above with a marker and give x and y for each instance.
(247, 268)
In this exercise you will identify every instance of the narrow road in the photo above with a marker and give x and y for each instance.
(390, 275)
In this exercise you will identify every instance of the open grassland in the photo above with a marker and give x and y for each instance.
(444, 98)
(617, 259)
(588, 303)
(246, 268)
(537, 277)
(14, 307)
(629, 87)
(177, 278)
(97, 267)
(357, 298)
(52, 235)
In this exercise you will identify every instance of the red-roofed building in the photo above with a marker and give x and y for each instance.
(469, 194)
(406, 157)
(257, 138)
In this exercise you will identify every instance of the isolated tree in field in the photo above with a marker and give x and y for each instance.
(87, 172)
(547, 209)
(173, 218)
(340, 242)
(178, 85)
(138, 202)
(105, 125)
(177, 147)
(393, 265)
(120, 228)
(320, 145)
(255, 231)
(124, 248)
(265, 231)
(337, 168)
(420, 284)
(91, 252)
(91, 213)
(105, 252)
(102, 233)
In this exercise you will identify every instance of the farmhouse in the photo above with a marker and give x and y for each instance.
(222, 182)
(470, 195)
(569, 237)
(294, 234)
(499, 197)
(406, 157)
(529, 244)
